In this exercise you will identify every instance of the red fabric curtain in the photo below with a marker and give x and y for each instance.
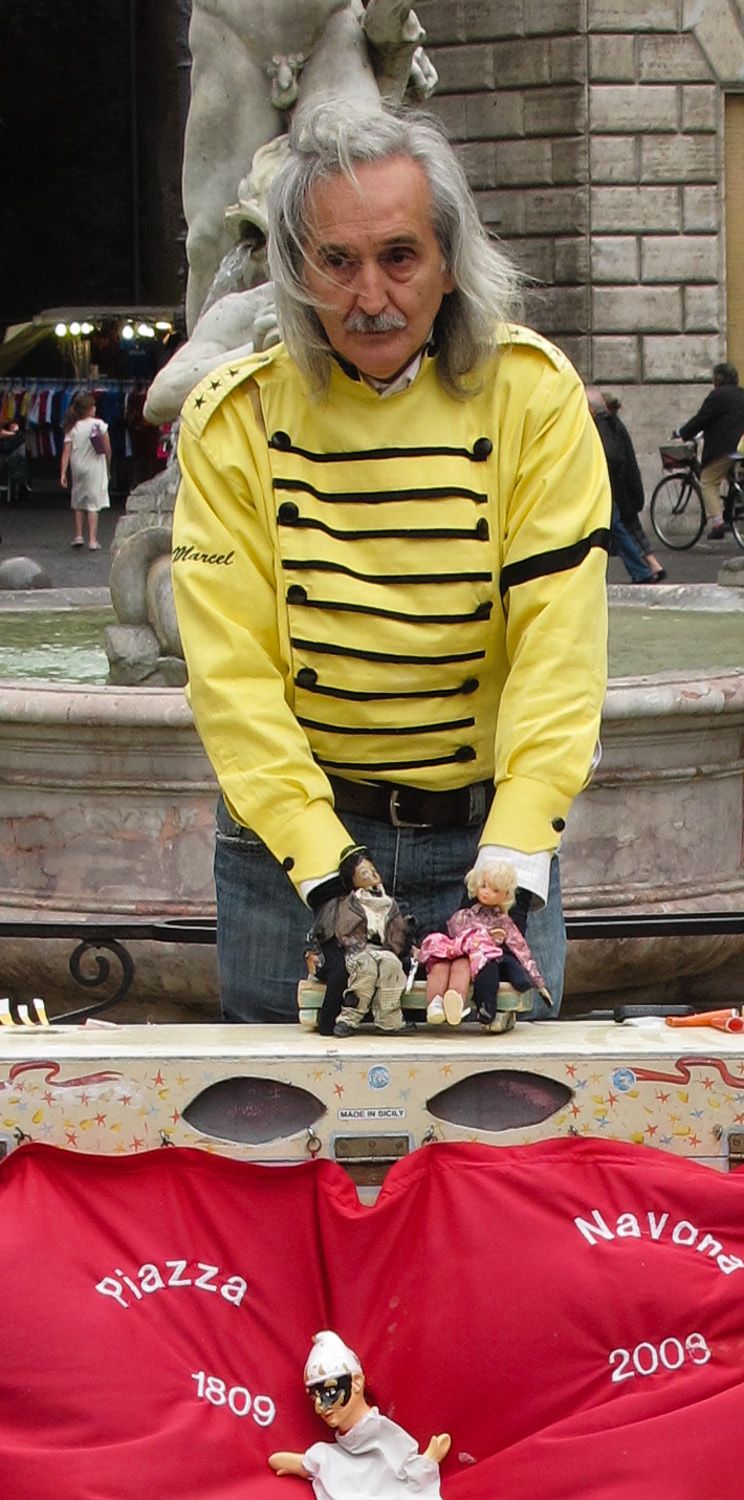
(571, 1312)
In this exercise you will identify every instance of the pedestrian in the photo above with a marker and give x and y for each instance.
(389, 564)
(721, 421)
(13, 460)
(622, 543)
(86, 456)
(627, 487)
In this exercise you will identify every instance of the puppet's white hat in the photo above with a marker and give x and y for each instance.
(330, 1356)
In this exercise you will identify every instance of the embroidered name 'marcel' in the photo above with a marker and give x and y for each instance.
(659, 1227)
(190, 554)
(150, 1278)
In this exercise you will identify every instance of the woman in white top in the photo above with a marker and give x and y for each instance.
(86, 453)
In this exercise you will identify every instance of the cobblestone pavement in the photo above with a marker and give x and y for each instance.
(41, 528)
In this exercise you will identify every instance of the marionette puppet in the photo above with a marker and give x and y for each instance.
(367, 929)
(483, 946)
(372, 1456)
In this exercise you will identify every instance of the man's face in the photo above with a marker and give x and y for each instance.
(373, 267)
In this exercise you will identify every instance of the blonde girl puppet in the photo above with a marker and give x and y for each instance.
(482, 946)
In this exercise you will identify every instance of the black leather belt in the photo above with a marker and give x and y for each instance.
(409, 806)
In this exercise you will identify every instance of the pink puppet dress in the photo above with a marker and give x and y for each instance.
(483, 945)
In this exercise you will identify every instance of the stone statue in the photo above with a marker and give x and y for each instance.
(247, 56)
(254, 62)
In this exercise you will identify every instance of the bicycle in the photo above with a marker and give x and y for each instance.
(677, 511)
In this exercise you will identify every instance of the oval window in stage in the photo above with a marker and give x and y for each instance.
(252, 1111)
(500, 1099)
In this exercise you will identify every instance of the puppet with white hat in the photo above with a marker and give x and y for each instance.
(372, 1457)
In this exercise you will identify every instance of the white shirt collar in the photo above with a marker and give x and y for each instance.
(399, 382)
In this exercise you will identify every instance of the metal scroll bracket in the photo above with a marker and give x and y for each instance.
(102, 972)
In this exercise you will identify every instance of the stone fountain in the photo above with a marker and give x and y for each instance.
(107, 800)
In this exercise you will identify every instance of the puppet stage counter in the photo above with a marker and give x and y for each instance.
(280, 1094)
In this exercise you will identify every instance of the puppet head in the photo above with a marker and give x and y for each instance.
(493, 883)
(358, 872)
(334, 1381)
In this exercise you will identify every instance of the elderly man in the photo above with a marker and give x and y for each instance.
(389, 564)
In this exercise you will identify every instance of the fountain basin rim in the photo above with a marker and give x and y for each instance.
(53, 601)
(29, 702)
(712, 598)
(668, 693)
(677, 694)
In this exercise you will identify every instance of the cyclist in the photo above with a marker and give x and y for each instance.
(721, 421)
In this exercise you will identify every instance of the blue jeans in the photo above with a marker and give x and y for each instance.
(628, 550)
(262, 924)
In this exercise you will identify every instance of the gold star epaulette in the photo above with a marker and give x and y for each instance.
(516, 333)
(203, 401)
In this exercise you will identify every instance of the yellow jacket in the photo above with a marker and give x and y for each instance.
(408, 589)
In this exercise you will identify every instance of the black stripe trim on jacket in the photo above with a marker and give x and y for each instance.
(405, 729)
(542, 564)
(414, 533)
(364, 453)
(390, 765)
(297, 565)
(376, 497)
(392, 656)
(481, 612)
(334, 692)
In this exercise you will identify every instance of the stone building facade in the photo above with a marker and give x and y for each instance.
(605, 140)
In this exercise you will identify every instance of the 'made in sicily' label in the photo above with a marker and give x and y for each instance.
(372, 1114)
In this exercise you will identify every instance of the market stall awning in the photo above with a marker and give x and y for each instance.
(19, 340)
(95, 313)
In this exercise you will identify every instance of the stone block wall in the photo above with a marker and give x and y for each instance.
(592, 134)
(513, 97)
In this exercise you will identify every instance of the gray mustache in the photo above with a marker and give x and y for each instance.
(359, 322)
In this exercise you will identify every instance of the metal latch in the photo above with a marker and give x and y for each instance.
(367, 1158)
(735, 1144)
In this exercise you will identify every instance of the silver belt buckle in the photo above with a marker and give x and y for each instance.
(395, 818)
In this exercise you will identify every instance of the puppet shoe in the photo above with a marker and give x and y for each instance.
(396, 1030)
(435, 1011)
(342, 1028)
(453, 1007)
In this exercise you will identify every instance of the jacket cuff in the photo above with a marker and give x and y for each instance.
(307, 844)
(527, 815)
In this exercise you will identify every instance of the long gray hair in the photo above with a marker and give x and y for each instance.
(327, 140)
